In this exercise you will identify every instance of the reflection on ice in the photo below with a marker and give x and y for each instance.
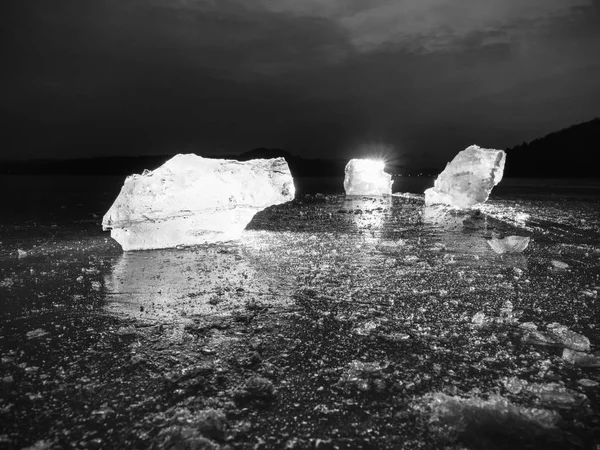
(369, 215)
(465, 236)
(178, 285)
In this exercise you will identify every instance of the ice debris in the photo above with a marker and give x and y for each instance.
(559, 264)
(581, 359)
(367, 177)
(191, 200)
(568, 338)
(509, 244)
(557, 335)
(468, 179)
(586, 382)
(487, 421)
(549, 394)
(37, 333)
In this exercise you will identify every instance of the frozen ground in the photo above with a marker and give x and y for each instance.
(333, 323)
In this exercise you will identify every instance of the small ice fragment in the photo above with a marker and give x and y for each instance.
(580, 358)
(586, 382)
(538, 338)
(126, 331)
(365, 328)
(478, 318)
(569, 338)
(559, 264)
(514, 385)
(509, 244)
(21, 253)
(555, 394)
(37, 333)
(530, 326)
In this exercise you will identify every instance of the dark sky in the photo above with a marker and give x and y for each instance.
(416, 80)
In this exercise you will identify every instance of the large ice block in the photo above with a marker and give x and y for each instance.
(191, 200)
(468, 179)
(367, 177)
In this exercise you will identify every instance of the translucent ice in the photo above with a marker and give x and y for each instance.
(191, 200)
(366, 177)
(509, 244)
(468, 179)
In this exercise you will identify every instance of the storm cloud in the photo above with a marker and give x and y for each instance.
(420, 78)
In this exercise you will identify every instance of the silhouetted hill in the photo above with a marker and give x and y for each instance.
(567, 153)
(126, 165)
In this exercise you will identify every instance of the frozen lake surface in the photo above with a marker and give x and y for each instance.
(334, 323)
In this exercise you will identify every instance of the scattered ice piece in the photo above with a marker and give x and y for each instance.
(509, 244)
(40, 445)
(514, 385)
(366, 328)
(587, 293)
(367, 177)
(395, 337)
(391, 245)
(363, 376)
(580, 358)
(191, 200)
(569, 338)
(507, 314)
(468, 179)
(476, 417)
(7, 282)
(586, 382)
(37, 333)
(21, 253)
(478, 318)
(528, 326)
(127, 331)
(559, 264)
(555, 395)
(538, 338)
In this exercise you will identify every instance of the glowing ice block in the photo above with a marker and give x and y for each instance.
(468, 179)
(191, 200)
(366, 177)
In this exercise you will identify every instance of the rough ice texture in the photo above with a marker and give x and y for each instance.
(191, 200)
(468, 179)
(509, 244)
(366, 177)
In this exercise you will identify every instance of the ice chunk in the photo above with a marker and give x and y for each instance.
(366, 177)
(487, 421)
(569, 338)
(582, 359)
(468, 179)
(509, 244)
(191, 200)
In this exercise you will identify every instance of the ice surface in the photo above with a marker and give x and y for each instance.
(367, 177)
(191, 200)
(468, 179)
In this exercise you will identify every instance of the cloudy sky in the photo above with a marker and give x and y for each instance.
(416, 80)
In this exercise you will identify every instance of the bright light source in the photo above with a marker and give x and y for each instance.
(371, 165)
(366, 177)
